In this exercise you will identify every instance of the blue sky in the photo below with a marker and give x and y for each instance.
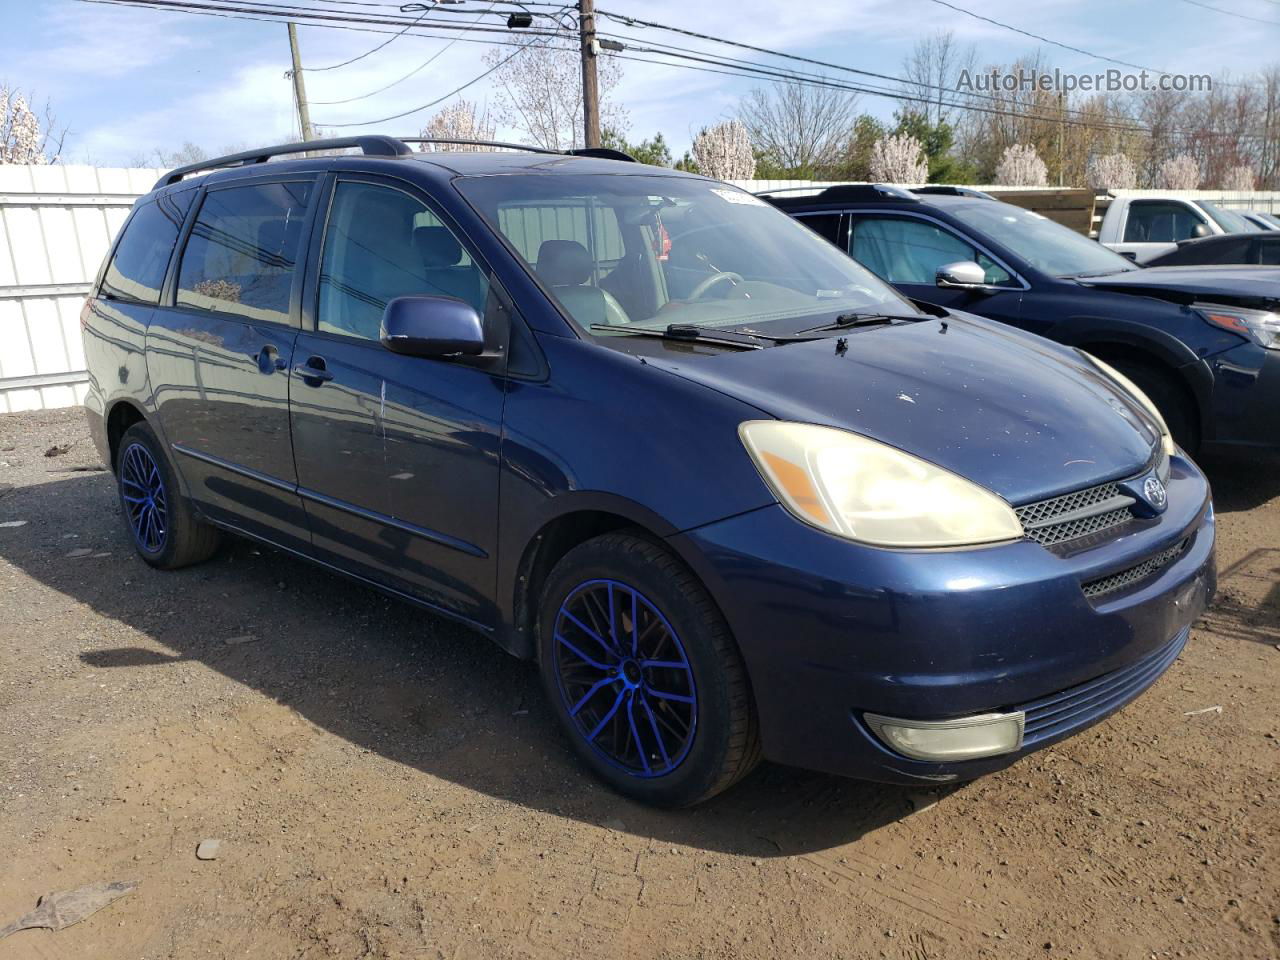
(128, 81)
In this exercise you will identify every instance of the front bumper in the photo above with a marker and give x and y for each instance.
(831, 630)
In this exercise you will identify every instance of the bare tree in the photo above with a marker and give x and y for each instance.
(932, 70)
(189, 153)
(539, 92)
(23, 139)
(899, 159)
(463, 120)
(1021, 167)
(1179, 173)
(1240, 177)
(1112, 171)
(799, 128)
(724, 152)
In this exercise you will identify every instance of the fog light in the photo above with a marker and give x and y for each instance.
(946, 741)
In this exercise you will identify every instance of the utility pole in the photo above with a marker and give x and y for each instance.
(1062, 123)
(299, 87)
(590, 83)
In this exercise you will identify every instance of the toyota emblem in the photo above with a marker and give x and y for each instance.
(1154, 492)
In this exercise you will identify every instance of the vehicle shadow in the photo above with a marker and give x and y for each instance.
(392, 679)
(1239, 484)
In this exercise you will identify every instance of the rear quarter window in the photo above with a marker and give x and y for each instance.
(137, 268)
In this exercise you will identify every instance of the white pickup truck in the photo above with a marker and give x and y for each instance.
(1142, 227)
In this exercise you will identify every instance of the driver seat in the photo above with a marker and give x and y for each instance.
(565, 266)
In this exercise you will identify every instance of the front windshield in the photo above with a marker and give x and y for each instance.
(651, 251)
(1047, 246)
(1228, 220)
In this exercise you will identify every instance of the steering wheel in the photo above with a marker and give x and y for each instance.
(700, 290)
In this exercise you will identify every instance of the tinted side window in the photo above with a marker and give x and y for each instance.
(136, 272)
(900, 250)
(242, 251)
(1159, 221)
(382, 243)
(1269, 250)
(825, 225)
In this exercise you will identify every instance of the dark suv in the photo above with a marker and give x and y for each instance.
(1202, 342)
(735, 495)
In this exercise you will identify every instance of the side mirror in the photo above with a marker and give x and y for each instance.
(962, 275)
(432, 327)
(1200, 230)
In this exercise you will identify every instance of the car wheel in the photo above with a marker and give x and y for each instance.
(1171, 400)
(643, 674)
(163, 527)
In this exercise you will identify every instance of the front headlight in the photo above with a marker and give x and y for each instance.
(1166, 438)
(867, 491)
(1260, 326)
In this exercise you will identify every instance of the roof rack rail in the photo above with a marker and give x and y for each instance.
(772, 192)
(372, 146)
(849, 193)
(603, 153)
(946, 190)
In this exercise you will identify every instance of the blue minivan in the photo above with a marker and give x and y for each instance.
(733, 494)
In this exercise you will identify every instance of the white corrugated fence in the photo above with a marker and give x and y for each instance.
(56, 225)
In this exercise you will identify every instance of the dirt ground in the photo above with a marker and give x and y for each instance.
(387, 785)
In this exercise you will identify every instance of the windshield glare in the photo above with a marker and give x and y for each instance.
(1228, 220)
(1047, 246)
(652, 251)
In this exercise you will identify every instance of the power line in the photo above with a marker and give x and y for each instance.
(665, 47)
(271, 12)
(809, 80)
(1232, 13)
(1055, 43)
(367, 53)
(439, 100)
(416, 70)
(260, 9)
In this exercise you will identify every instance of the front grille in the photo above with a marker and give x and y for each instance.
(1082, 513)
(1064, 712)
(1118, 581)
(1075, 515)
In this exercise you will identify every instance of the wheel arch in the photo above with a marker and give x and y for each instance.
(578, 518)
(1120, 353)
(121, 415)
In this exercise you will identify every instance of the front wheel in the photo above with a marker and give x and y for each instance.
(643, 674)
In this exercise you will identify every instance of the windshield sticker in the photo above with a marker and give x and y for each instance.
(739, 196)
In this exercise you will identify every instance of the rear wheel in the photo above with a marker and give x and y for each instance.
(643, 674)
(1170, 398)
(163, 526)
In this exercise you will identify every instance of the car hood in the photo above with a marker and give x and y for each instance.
(1021, 416)
(1237, 284)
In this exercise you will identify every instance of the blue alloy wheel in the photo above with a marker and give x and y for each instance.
(625, 679)
(145, 500)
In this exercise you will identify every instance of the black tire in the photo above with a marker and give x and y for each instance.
(1170, 398)
(173, 537)
(673, 611)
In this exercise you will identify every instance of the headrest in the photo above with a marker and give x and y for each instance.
(437, 246)
(381, 218)
(564, 263)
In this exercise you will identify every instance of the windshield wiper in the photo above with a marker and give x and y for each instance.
(861, 318)
(686, 333)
